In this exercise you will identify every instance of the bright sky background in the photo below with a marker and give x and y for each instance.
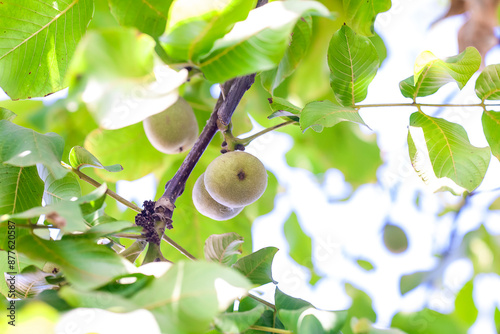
(346, 230)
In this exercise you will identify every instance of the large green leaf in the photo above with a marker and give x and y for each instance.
(259, 42)
(56, 190)
(194, 25)
(432, 73)
(353, 63)
(488, 83)
(20, 190)
(491, 129)
(327, 114)
(257, 266)
(149, 16)
(84, 263)
(190, 294)
(24, 147)
(361, 14)
(114, 70)
(300, 245)
(38, 41)
(223, 248)
(442, 155)
(301, 37)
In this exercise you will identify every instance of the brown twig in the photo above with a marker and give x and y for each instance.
(233, 90)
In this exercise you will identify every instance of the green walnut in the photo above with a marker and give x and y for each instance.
(395, 239)
(207, 206)
(174, 130)
(236, 179)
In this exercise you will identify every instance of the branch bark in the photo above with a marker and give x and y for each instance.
(226, 104)
(232, 92)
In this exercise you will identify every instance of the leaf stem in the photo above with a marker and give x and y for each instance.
(248, 140)
(178, 247)
(425, 105)
(262, 301)
(128, 236)
(96, 184)
(270, 329)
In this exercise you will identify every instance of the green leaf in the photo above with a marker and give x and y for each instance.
(379, 45)
(483, 249)
(311, 320)
(6, 114)
(454, 164)
(327, 114)
(113, 146)
(93, 201)
(353, 63)
(411, 281)
(284, 109)
(65, 215)
(428, 322)
(301, 38)
(431, 73)
(488, 83)
(190, 294)
(258, 43)
(21, 187)
(257, 266)
(114, 71)
(495, 205)
(300, 246)
(465, 309)
(491, 129)
(361, 14)
(95, 299)
(80, 158)
(497, 318)
(238, 322)
(361, 307)
(85, 264)
(282, 301)
(56, 190)
(223, 248)
(24, 147)
(38, 42)
(150, 16)
(366, 265)
(194, 25)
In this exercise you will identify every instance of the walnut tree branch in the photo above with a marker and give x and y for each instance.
(226, 104)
